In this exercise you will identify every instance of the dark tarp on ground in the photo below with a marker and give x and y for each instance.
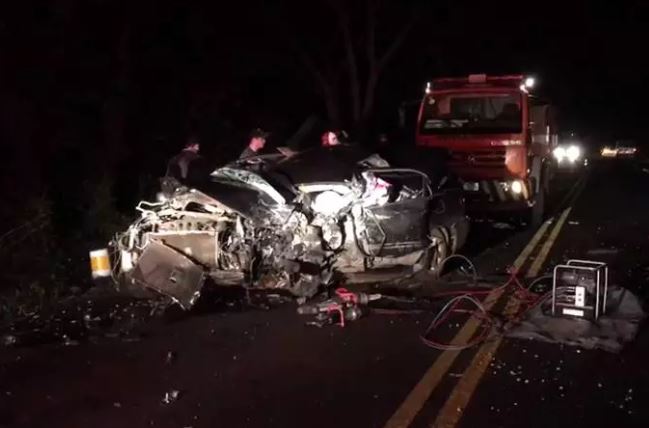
(610, 332)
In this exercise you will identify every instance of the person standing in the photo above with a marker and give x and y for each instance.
(188, 167)
(256, 143)
(329, 139)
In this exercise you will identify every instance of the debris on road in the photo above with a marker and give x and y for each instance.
(502, 226)
(277, 299)
(78, 320)
(67, 341)
(573, 223)
(171, 396)
(170, 358)
(8, 340)
(602, 251)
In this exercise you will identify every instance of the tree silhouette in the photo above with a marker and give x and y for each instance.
(346, 47)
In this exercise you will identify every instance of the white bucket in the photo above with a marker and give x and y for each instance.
(100, 263)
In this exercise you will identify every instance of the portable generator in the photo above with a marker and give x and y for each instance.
(579, 289)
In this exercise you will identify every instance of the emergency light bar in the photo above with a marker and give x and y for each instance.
(484, 80)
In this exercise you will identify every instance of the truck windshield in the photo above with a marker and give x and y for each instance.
(462, 113)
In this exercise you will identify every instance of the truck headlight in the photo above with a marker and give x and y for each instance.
(517, 187)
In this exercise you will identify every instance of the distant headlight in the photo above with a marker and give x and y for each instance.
(559, 153)
(609, 151)
(573, 153)
(569, 153)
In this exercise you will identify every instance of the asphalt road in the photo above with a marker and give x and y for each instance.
(237, 367)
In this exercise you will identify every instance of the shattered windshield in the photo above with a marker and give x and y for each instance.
(497, 113)
(250, 179)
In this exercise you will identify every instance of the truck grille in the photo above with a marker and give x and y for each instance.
(481, 158)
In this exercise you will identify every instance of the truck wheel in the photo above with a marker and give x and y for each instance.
(438, 251)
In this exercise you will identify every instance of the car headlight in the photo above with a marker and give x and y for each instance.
(329, 203)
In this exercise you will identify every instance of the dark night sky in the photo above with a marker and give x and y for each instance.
(156, 70)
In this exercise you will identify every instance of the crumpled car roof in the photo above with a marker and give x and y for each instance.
(320, 165)
(286, 173)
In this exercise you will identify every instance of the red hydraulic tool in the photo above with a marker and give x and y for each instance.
(344, 306)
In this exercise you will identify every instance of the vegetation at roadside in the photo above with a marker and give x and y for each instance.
(45, 249)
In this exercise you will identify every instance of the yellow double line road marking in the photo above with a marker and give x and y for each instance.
(453, 408)
(522, 257)
(413, 403)
(547, 246)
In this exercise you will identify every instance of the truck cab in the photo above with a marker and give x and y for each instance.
(499, 136)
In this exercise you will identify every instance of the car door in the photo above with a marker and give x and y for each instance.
(399, 225)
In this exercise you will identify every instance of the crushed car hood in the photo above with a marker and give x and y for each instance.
(240, 199)
(318, 165)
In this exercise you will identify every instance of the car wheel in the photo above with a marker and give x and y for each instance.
(438, 251)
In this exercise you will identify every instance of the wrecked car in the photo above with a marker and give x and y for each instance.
(291, 222)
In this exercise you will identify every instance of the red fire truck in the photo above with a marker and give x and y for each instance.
(500, 138)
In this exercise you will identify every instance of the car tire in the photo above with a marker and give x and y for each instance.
(438, 251)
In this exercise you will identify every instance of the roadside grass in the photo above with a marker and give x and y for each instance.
(45, 259)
